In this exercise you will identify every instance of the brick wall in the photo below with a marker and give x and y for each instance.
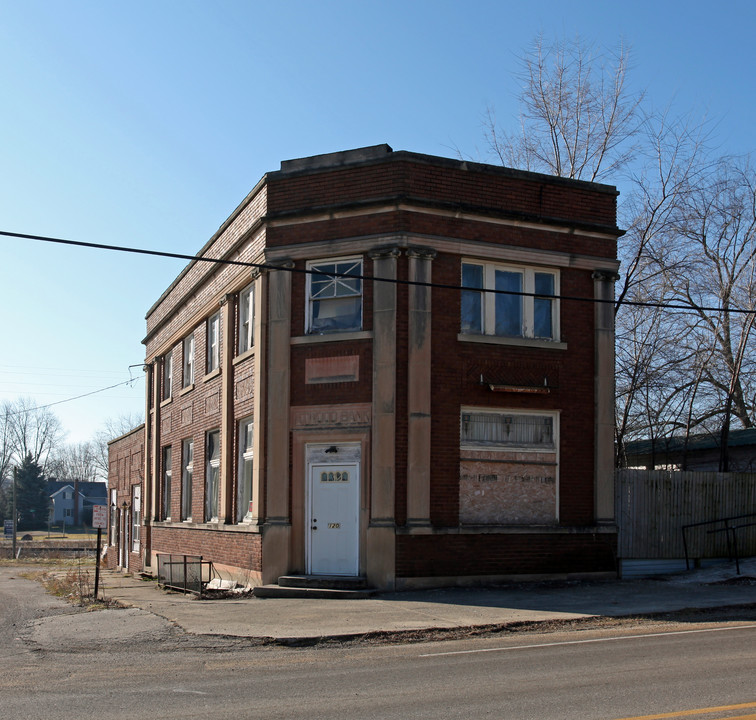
(444, 181)
(236, 549)
(125, 471)
(504, 554)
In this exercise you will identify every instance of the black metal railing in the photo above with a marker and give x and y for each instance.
(188, 573)
(730, 526)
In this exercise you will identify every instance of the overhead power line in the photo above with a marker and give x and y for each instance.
(371, 278)
(130, 381)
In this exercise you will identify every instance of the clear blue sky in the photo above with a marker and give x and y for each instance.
(146, 123)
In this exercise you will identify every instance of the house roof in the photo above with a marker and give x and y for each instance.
(699, 442)
(86, 489)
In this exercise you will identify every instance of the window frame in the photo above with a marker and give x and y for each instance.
(528, 304)
(212, 474)
(553, 415)
(246, 319)
(188, 373)
(312, 266)
(244, 489)
(166, 480)
(213, 341)
(187, 476)
(168, 375)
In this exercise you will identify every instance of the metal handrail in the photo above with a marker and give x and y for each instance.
(181, 580)
(732, 537)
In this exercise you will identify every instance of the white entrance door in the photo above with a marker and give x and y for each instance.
(333, 519)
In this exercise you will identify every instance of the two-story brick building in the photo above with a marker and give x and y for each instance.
(413, 383)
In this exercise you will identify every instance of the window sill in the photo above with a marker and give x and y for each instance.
(186, 390)
(241, 358)
(332, 337)
(165, 402)
(512, 341)
(212, 374)
(250, 527)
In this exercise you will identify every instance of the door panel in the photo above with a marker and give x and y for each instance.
(333, 527)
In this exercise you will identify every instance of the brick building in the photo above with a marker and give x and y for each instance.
(125, 475)
(344, 409)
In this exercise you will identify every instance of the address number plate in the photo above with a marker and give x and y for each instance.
(334, 526)
(335, 476)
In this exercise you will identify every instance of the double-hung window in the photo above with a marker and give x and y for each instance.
(212, 473)
(187, 471)
(244, 495)
(165, 507)
(524, 304)
(334, 296)
(188, 360)
(168, 375)
(213, 342)
(246, 319)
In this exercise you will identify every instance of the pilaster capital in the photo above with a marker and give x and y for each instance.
(605, 275)
(281, 264)
(421, 253)
(384, 253)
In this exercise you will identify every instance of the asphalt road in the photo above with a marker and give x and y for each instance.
(59, 662)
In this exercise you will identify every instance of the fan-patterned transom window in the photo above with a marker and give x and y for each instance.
(334, 296)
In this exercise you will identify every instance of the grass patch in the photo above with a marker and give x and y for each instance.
(49, 559)
(75, 584)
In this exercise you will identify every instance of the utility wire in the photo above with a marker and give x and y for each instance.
(440, 286)
(130, 381)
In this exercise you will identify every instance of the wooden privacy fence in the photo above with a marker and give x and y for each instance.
(653, 505)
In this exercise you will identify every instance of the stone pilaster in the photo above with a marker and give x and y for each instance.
(226, 480)
(277, 531)
(603, 290)
(419, 389)
(381, 531)
(260, 394)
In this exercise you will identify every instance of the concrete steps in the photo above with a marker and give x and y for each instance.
(333, 587)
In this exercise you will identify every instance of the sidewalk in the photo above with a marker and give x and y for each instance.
(300, 620)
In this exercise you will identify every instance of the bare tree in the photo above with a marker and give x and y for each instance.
(719, 227)
(26, 429)
(35, 431)
(6, 443)
(74, 461)
(672, 160)
(689, 241)
(578, 117)
(112, 428)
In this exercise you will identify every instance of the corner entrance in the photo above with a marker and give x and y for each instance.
(332, 528)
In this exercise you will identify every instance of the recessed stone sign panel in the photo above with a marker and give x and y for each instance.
(332, 370)
(331, 416)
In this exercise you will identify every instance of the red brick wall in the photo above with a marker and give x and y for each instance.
(505, 554)
(438, 180)
(126, 470)
(237, 549)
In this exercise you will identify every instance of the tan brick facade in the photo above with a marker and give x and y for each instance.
(432, 421)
